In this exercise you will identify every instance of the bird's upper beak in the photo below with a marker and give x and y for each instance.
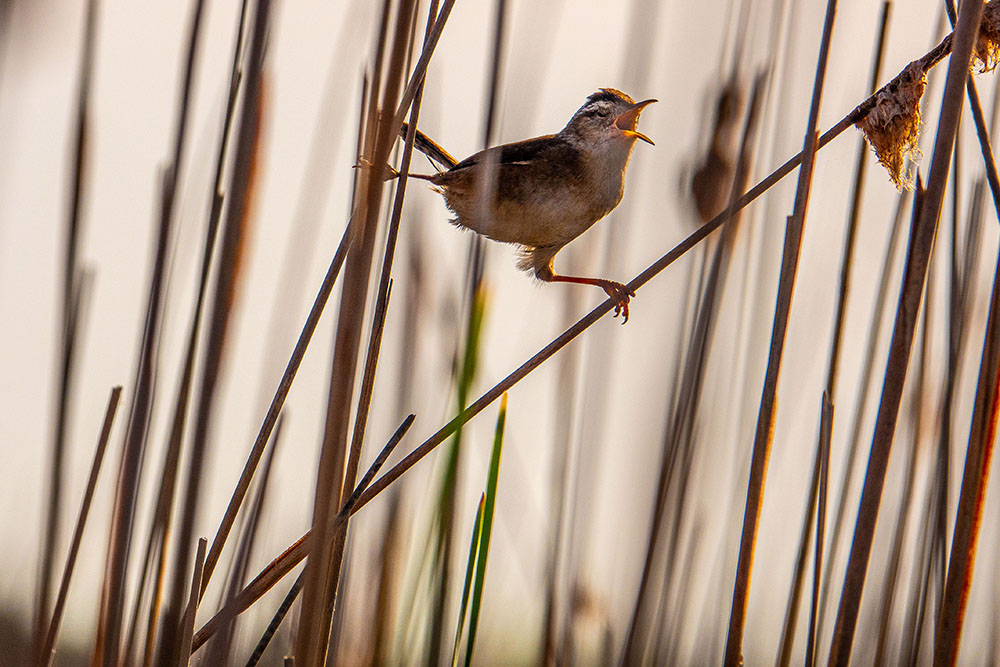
(627, 121)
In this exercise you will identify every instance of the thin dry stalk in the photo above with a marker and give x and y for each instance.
(985, 52)
(113, 596)
(257, 450)
(680, 429)
(323, 568)
(277, 403)
(887, 596)
(787, 643)
(184, 654)
(847, 261)
(927, 579)
(383, 629)
(71, 309)
(922, 237)
(446, 509)
(972, 495)
(861, 400)
(239, 193)
(766, 415)
(279, 616)
(383, 292)
(292, 556)
(45, 654)
(909, 301)
(162, 516)
(825, 435)
(223, 645)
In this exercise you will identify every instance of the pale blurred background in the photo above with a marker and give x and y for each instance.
(555, 54)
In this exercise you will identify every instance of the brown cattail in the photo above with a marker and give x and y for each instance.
(892, 127)
(986, 54)
(712, 180)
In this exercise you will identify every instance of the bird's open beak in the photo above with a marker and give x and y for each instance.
(627, 121)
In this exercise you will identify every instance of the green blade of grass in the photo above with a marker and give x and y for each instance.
(486, 529)
(445, 509)
(477, 531)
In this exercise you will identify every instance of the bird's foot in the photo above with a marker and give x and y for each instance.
(620, 293)
(390, 171)
(617, 291)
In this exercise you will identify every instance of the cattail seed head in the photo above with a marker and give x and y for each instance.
(986, 54)
(892, 127)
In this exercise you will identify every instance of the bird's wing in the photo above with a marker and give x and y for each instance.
(521, 152)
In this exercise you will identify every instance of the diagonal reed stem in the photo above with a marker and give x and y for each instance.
(293, 555)
(45, 654)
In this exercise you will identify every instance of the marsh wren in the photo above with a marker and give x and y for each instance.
(546, 191)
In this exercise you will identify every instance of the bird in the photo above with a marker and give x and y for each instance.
(546, 191)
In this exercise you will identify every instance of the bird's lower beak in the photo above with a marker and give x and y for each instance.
(627, 121)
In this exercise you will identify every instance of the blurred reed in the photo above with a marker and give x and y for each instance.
(386, 588)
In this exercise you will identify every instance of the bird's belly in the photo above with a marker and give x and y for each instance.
(550, 217)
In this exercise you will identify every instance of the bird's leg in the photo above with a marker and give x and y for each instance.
(391, 173)
(617, 291)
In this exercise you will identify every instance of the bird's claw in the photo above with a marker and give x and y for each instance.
(390, 171)
(620, 293)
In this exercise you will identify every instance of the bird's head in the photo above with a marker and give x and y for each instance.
(608, 115)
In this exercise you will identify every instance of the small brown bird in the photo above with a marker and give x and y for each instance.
(548, 190)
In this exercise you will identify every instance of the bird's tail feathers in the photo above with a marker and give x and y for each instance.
(430, 148)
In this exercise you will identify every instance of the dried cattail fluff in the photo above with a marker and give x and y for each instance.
(892, 127)
(986, 55)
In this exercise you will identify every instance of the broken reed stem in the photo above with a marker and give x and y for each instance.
(922, 237)
(45, 653)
